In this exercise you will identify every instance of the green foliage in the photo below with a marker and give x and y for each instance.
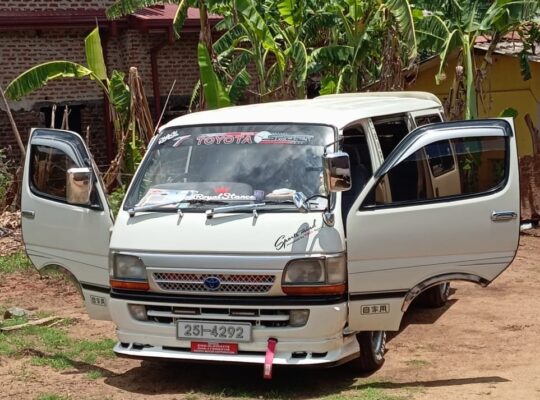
(94, 55)
(6, 177)
(508, 113)
(119, 93)
(49, 396)
(214, 92)
(17, 262)
(445, 27)
(37, 77)
(116, 198)
(94, 374)
(126, 7)
(53, 347)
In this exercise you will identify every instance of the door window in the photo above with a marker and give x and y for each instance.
(448, 169)
(48, 172)
(390, 131)
(427, 119)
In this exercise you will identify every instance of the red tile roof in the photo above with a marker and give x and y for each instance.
(148, 18)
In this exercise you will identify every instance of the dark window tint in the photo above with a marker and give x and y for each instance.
(48, 171)
(427, 119)
(390, 132)
(431, 172)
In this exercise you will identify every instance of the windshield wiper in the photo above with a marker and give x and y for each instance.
(151, 207)
(237, 207)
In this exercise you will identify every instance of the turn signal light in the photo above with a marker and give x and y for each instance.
(314, 290)
(129, 285)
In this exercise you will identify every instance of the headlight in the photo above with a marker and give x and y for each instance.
(315, 276)
(128, 272)
(305, 271)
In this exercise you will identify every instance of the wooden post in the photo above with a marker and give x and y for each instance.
(13, 125)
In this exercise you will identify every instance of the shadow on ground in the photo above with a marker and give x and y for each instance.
(246, 381)
(233, 381)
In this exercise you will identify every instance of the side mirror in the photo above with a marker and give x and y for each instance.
(79, 186)
(337, 172)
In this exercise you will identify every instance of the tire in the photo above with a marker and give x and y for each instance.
(435, 297)
(372, 348)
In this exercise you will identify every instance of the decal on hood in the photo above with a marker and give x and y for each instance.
(285, 241)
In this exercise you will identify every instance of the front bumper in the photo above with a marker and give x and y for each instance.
(319, 342)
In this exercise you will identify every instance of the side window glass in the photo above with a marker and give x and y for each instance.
(440, 157)
(390, 131)
(446, 169)
(48, 171)
(427, 119)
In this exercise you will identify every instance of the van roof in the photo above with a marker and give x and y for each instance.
(337, 110)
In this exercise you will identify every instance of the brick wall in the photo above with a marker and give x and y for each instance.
(22, 50)
(40, 5)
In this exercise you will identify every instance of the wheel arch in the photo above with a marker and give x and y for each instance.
(438, 279)
(57, 269)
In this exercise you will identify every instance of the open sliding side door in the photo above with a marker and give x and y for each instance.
(59, 235)
(418, 238)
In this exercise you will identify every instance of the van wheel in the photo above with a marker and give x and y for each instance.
(372, 348)
(435, 297)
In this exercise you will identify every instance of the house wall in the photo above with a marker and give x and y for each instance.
(504, 88)
(21, 50)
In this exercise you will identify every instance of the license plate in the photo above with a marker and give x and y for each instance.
(218, 331)
(214, 348)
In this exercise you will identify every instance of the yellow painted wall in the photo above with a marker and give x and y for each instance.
(504, 88)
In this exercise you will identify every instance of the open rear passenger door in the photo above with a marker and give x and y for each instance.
(61, 229)
(419, 237)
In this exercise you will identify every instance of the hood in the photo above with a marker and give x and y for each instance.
(242, 233)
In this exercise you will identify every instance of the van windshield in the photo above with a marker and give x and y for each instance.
(232, 164)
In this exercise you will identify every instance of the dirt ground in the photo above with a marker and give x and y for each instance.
(483, 344)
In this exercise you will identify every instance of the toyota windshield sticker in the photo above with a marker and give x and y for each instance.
(263, 137)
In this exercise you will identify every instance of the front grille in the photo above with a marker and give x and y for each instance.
(229, 283)
(277, 318)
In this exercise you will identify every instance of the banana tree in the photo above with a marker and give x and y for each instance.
(356, 41)
(130, 115)
(454, 28)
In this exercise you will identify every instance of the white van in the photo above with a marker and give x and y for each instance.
(289, 233)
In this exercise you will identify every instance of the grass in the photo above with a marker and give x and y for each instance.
(417, 363)
(48, 396)
(53, 347)
(368, 393)
(14, 263)
(94, 374)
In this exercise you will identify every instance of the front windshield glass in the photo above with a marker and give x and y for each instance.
(232, 164)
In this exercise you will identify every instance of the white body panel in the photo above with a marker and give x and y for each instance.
(241, 233)
(72, 238)
(391, 251)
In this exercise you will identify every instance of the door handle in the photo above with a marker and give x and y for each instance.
(503, 215)
(28, 214)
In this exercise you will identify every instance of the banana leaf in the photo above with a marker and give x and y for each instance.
(214, 92)
(37, 77)
(94, 55)
(126, 7)
(401, 10)
(239, 86)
